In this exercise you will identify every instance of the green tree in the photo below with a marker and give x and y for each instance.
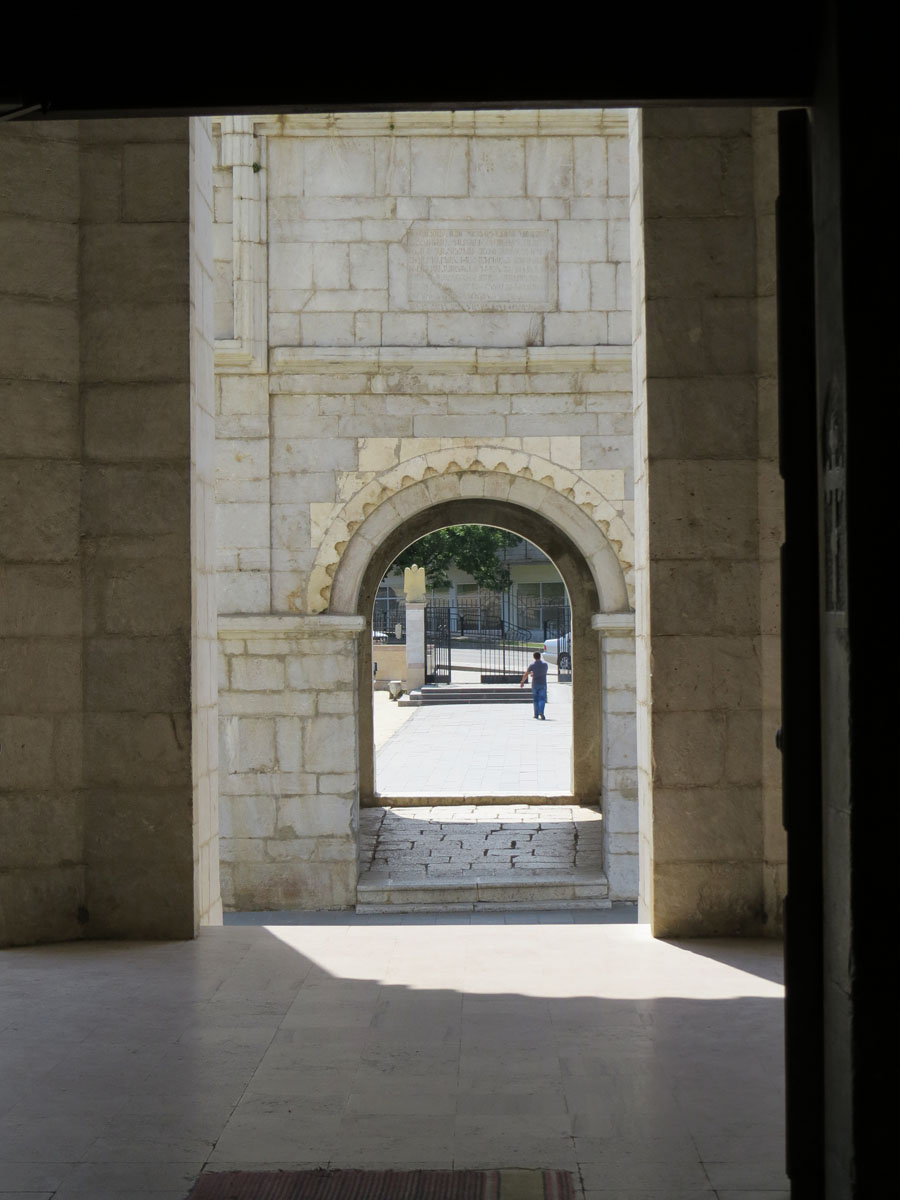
(472, 548)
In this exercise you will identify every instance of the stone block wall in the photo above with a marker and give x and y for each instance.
(374, 222)
(771, 514)
(326, 194)
(204, 607)
(100, 821)
(41, 684)
(347, 435)
(288, 807)
(444, 295)
(708, 521)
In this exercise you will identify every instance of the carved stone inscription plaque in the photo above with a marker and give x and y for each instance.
(480, 265)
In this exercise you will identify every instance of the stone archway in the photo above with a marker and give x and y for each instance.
(481, 473)
(588, 564)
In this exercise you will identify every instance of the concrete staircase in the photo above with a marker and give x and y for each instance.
(467, 693)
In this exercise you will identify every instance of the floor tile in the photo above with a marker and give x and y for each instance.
(747, 1175)
(514, 1044)
(33, 1176)
(643, 1174)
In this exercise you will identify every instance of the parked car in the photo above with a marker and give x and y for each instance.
(559, 651)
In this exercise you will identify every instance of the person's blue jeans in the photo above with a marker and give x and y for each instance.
(539, 698)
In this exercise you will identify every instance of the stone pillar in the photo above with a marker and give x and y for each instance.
(107, 774)
(619, 779)
(256, 538)
(415, 644)
(771, 520)
(204, 636)
(702, 319)
(41, 695)
(147, 403)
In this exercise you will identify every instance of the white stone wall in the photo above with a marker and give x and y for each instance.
(643, 648)
(621, 850)
(288, 804)
(350, 434)
(444, 295)
(204, 647)
(360, 207)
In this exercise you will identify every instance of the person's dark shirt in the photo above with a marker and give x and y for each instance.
(538, 672)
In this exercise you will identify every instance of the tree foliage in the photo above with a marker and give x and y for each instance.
(472, 548)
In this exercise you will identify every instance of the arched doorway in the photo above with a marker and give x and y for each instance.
(492, 600)
(586, 560)
(587, 758)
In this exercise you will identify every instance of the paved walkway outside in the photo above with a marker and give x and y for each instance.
(648, 1068)
(489, 841)
(474, 749)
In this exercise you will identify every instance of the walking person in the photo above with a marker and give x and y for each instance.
(538, 673)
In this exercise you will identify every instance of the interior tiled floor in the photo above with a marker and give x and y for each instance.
(649, 1068)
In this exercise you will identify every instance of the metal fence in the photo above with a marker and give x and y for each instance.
(389, 620)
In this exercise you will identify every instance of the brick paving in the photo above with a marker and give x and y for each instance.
(453, 842)
(476, 750)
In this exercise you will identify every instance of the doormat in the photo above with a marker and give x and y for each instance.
(322, 1184)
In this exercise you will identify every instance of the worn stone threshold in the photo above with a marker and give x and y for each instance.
(515, 888)
(464, 800)
(487, 906)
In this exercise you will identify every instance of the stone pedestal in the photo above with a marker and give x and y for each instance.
(415, 645)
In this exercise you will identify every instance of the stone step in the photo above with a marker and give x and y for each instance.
(377, 891)
(466, 693)
(488, 906)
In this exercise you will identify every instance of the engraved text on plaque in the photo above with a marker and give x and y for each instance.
(478, 265)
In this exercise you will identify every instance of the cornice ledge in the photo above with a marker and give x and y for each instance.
(613, 624)
(562, 122)
(273, 625)
(236, 355)
(421, 360)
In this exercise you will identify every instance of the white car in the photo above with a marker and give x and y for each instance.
(559, 651)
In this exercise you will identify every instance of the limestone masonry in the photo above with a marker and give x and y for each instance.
(411, 310)
(245, 361)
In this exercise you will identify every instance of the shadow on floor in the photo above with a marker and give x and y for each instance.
(130, 1068)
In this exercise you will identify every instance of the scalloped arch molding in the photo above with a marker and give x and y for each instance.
(384, 503)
